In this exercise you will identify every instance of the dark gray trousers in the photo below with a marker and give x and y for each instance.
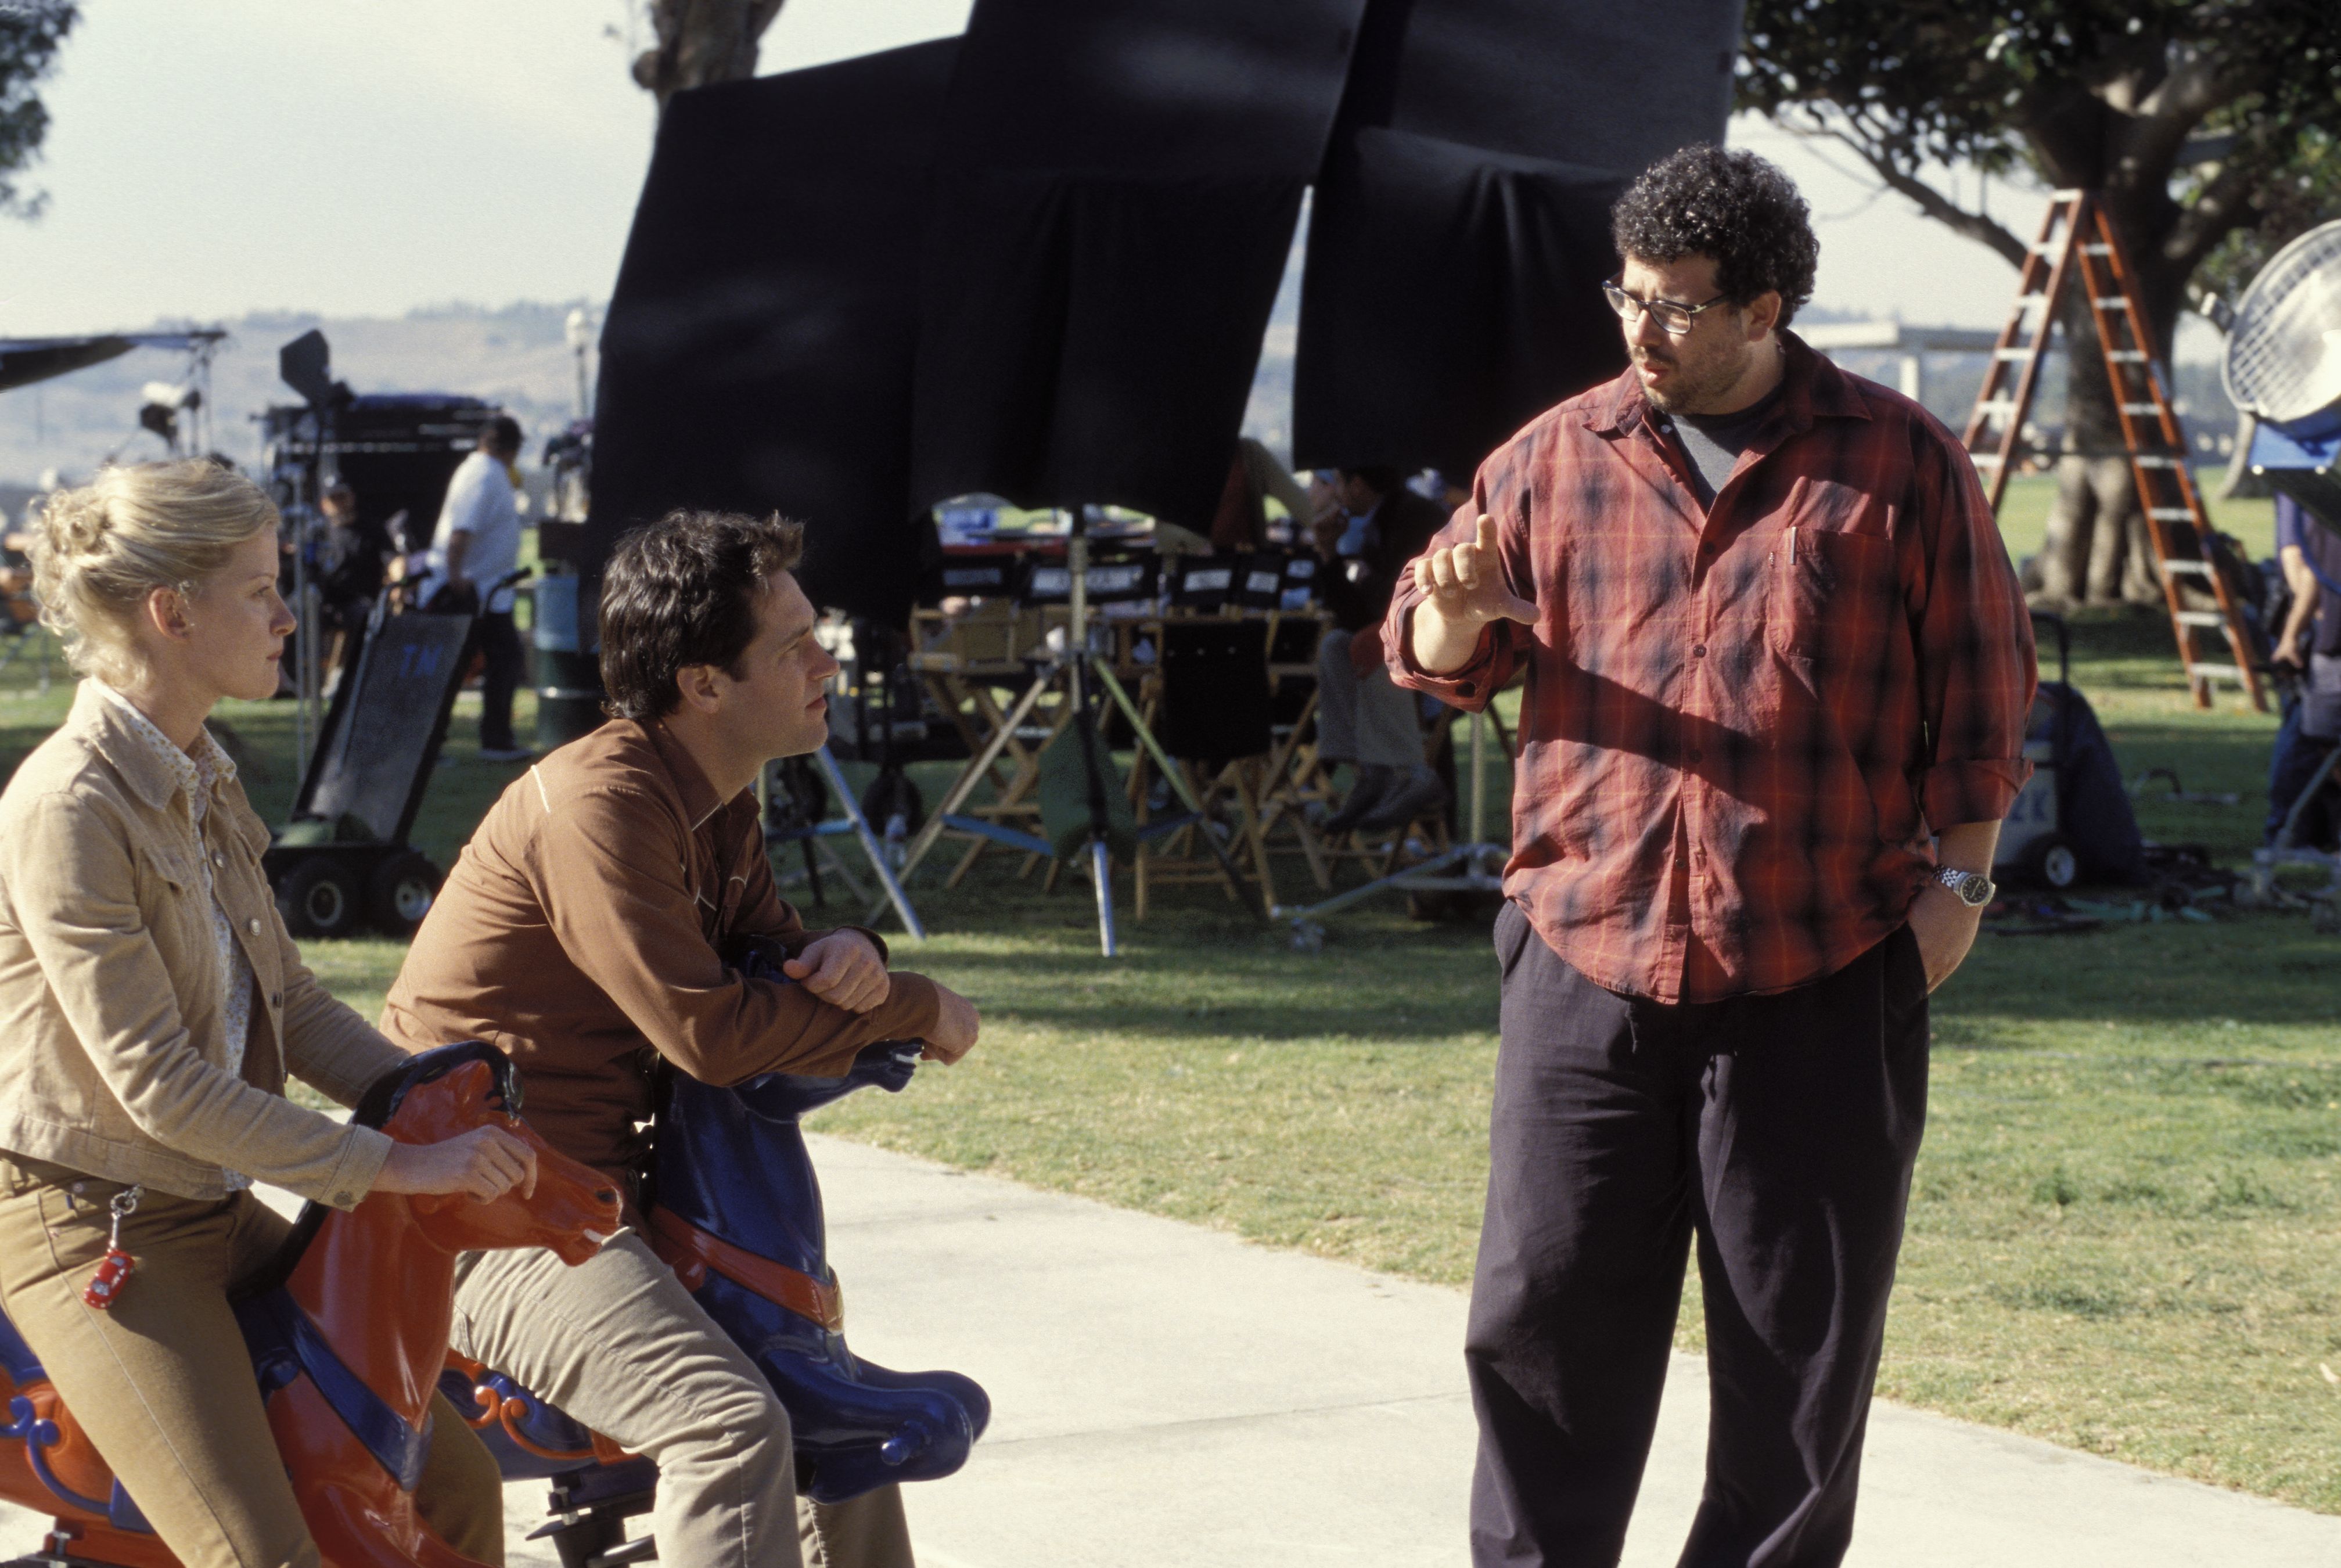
(507, 662)
(1781, 1131)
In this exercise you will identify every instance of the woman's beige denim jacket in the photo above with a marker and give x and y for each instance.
(113, 1060)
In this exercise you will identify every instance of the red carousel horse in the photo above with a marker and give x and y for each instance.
(348, 1333)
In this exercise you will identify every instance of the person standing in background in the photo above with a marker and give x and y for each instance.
(476, 545)
(2310, 555)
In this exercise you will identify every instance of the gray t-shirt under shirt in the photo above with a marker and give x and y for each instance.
(1713, 442)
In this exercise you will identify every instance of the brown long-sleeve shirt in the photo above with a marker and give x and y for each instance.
(581, 931)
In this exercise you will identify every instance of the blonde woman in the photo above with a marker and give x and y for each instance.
(151, 1007)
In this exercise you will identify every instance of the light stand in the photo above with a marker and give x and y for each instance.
(1068, 670)
(1481, 863)
(580, 331)
(298, 517)
(304, 366)
(856, 825)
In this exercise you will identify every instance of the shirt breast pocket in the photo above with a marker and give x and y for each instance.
(166, 876)
(1832, 596)
(170, 892)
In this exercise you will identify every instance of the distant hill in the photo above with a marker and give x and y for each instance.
(518, 356)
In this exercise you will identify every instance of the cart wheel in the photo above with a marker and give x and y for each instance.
(401, 892)
(2055, 864)
(318, 898)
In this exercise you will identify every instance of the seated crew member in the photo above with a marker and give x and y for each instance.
(1364, 718)
(1242, 522)
(584, 929)
(154, 1006)
(2310, 555)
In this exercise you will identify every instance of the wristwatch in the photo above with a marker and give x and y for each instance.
(1974, 889)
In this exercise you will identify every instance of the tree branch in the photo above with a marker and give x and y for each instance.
(2225, 204)
(2198, 83)
(1983, 230)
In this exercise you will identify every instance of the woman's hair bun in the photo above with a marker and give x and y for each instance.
(73, 521)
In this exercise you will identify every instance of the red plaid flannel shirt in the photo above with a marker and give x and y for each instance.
(1741, 726)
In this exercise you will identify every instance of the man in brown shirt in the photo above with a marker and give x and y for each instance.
(583, 929)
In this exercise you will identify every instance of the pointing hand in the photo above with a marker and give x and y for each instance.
(1466, 582)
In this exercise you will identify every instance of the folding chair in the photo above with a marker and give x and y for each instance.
(1209, 702)
(966, 660)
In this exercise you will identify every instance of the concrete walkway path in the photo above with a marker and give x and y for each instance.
(1170, 1397)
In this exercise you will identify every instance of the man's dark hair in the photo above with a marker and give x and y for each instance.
(1379, 478)
(502, 433)
(1729, 204)
(682, 592)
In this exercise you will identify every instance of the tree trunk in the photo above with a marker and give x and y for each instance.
(2098, 550)
(702, 41)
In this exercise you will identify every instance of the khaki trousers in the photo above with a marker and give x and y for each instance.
(619, 1344)
(164, 1385)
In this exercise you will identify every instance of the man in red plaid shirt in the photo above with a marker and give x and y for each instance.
(1772, 647)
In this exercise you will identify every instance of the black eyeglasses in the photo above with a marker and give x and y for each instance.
(1674, 317)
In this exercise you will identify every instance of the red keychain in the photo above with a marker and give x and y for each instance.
(115, 1271)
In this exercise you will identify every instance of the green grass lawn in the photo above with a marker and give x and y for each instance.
(2125, 1231)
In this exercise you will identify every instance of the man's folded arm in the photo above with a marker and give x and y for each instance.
(608, 867)
(764, 912)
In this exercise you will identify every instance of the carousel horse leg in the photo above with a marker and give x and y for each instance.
(346, 1522)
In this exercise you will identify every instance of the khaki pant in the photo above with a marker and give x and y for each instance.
(164, 1385)
(619, 1344)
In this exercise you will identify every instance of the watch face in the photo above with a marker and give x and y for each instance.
(1973, 888)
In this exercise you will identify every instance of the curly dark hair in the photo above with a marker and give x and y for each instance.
(1729, 205)
(682, 591)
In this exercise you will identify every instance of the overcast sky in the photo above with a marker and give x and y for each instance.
(209, 157)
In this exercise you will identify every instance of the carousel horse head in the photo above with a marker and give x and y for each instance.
(455, 1089)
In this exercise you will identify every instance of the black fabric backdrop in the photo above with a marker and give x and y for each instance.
(1460, 230)
(757, 350)
(1114, 206)
(1037, 261)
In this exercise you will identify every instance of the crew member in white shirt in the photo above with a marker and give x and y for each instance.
(476, 545)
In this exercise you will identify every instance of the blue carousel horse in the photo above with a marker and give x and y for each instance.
(735, 1207)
